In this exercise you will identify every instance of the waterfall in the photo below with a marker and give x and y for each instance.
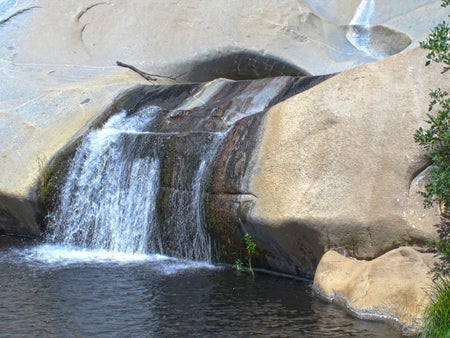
(358, 33)
(138, 183)
(98, 204)
(109, 199)
(363, 13)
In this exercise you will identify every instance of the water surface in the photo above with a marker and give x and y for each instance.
(48, 290)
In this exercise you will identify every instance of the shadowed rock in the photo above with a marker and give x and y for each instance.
(242, 65)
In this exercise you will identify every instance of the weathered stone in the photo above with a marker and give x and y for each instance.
(337, 164)
(393, 286)
(202, 138)
(58, 62)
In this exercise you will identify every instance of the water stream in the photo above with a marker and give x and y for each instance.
(59, 291)
(358, 33)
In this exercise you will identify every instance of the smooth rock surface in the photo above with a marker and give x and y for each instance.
(171, 37)
(337, 165)
(393, 286)
(57, 62)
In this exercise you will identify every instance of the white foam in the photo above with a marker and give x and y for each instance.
(64, 255)
(53, 255)
(178, 266)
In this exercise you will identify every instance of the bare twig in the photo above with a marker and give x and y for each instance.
(147, 76)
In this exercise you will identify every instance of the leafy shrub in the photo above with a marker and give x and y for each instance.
(436, 140)
(251, 251)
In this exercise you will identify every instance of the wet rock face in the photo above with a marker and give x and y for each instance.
(195, 141)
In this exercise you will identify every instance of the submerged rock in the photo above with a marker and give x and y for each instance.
(393, 286)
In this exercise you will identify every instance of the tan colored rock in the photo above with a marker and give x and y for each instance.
(393, 286)
(337, 164)
(57, 62)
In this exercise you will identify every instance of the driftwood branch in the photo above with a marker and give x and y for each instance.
(147, 76)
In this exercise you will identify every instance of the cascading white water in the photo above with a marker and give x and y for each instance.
(110, 195)
(193, 241)
(137, 185)
(98, 204)
(358, 33)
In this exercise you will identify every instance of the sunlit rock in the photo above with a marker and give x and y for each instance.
(337, 165)
(394, 286)
(58, 62)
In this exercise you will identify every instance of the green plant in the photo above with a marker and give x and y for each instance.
(407, 241)
(438, 43)
(238, 265)
(436, 140)
(251, 251)
(328, 244)
(437, 314)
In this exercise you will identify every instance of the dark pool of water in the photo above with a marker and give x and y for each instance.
(159, 297)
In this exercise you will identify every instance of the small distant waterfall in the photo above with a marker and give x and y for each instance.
(363, 13)
(358, 33)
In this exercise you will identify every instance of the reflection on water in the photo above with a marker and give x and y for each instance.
(157, 296)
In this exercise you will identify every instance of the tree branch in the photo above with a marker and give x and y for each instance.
(147, 76)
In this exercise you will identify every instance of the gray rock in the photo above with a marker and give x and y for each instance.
(394, 286)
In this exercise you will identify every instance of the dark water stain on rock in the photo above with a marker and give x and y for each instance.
(241, 65)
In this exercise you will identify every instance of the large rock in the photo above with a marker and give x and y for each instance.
(57, 61)
(337, 166)
(394, 286)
